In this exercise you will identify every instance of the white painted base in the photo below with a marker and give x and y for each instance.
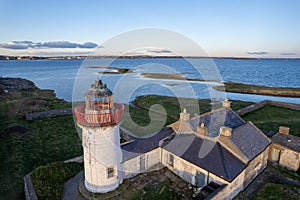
(100, 189)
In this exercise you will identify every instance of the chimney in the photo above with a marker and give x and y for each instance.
(184, 116)
(284, 130)
(202, 130)
(226, 103)
(225, 131)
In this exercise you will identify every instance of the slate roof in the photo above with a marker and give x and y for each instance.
(249, 140)
(206, 154)
(225, 157)
(290, 141)
(143, 145)
(217, 118)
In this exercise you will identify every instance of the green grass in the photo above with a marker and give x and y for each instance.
(277, 192)
(142, 117)
(48, 180)
(172, 106)
(160, 192)
(288, 173)
(129, 191)
(271, 117)
(262, 90)
(56, 139)
(49, 140)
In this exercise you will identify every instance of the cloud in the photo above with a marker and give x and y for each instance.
(16, 45)
(159, 51)
(258, 53)
(288, 54)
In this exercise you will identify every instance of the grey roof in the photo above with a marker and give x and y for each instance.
(99, 90)
(208, 155)
(224, 157)
(249, 140)
(290, 141)
(143, 145)
(215, 119)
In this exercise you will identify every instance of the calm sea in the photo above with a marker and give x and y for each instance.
(60, 75)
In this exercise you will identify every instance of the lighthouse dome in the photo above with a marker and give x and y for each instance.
(99, 97)
(99, 90)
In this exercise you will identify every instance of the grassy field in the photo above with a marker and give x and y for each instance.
(262, 90)
(271, 117)
(25, 145)
(141, 115)
(277, 192)
(174, 77)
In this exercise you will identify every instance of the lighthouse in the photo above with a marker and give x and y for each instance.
(99, 118)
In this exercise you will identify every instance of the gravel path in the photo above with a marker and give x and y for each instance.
(71, 188)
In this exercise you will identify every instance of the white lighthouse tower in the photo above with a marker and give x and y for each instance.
(99, 119)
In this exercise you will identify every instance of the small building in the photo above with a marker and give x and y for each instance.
(285, 149)
(217, 150)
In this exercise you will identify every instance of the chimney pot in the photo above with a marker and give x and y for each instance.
(226, 103)
(225, 131)
(184, 115)
(202, 130)
(284, 130)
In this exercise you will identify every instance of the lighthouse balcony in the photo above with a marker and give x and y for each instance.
(99, 119)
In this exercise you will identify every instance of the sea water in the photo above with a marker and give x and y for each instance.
(60, 76)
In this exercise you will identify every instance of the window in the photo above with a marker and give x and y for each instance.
(110, 172)
(142, 163)
(171, 160)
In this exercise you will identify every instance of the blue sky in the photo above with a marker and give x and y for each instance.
(261, 28)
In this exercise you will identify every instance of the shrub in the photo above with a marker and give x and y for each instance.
(48, 180)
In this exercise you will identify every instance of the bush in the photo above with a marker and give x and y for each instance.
(48, 180)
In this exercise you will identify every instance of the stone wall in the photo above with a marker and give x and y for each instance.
(29, 189)
(256, 106)
(50, 113)
(284, 156)
(255, 167)
(289, 159)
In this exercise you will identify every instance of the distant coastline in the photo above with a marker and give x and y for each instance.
(260, 90)
(6, 57)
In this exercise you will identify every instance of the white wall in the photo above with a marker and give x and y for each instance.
(188, 171)
(101, 147)
(132, 167)
(245, 177)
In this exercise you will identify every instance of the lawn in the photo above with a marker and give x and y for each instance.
(166, 113)
(277, 192)
(44, 141)
(255, 89)
(271, 117)
(25, 145)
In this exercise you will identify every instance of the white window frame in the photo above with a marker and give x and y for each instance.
(110, 172)
(170, 160)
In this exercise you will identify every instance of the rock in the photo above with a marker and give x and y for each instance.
(12, 84)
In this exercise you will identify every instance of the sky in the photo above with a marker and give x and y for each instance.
(230, 28)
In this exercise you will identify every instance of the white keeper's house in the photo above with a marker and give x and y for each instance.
(217, 150)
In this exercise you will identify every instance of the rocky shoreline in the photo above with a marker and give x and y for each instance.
(12, 84)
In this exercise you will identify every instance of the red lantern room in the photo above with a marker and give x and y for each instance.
(99, 97)
(99, 109)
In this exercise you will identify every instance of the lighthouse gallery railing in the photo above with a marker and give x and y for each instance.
(100, 119)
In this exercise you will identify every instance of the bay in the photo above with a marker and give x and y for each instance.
(62, 75)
